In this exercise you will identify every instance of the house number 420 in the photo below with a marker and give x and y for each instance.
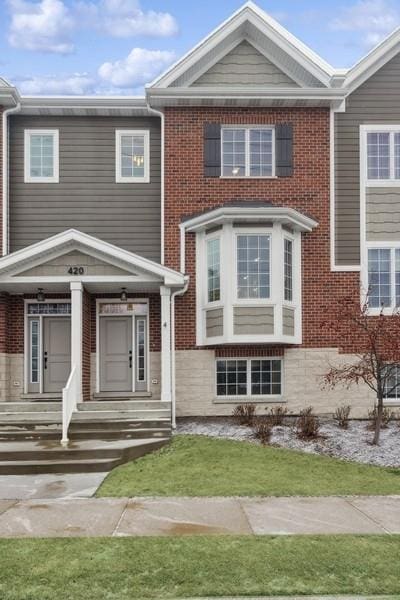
(76, 270)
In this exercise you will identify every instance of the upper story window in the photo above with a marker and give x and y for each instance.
(213, 270)
(383, 278)
(383, 155)
(41, 156)
(253, 266)
(248, 152)
(132, 156)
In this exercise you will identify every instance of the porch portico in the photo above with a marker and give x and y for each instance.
(92, 314)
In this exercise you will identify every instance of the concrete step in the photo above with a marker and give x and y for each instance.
(120, 415)
(80, 457)
(32, 417)
(84, 434)
(23, 407)
(113, 405)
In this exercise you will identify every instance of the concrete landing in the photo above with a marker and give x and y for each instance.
(120, 517)
(49, 486)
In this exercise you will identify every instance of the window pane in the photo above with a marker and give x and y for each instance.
(233, 152)
(260, 152)
(34, 342)
(46, 308)
(231, 377)
(132, 156)
(379, 277)
(266, 377)
(392, 383)
(213, 270)
(397, 155)
(288, 270)
(378, 153)
(140, 349)
(253, 266)
(41, 150)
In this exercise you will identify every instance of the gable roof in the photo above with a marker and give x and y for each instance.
(253, 24)
(72, 239)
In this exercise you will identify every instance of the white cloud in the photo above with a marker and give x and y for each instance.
(126, 18)
(374, 18)
(77, 84)
(139, 67)
(42, 26)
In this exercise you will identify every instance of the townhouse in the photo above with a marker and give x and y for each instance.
(185, 247)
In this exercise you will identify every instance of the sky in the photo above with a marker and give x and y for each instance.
(116, 46)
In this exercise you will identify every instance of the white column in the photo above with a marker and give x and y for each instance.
(165, 294)
(76, 333)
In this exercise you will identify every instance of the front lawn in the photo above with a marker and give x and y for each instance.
(130, 568)
(201, 466)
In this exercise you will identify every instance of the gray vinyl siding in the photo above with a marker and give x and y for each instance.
(214, 322)
(87, 197)
(383, 214)
(253, 320)
(376, 101)
(244, 65)
(288, 321)
(59, 266)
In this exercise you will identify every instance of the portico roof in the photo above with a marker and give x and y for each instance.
(17, 270)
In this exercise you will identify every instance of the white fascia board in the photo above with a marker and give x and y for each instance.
(336, 95)
(220, 215)
(373, 61)
(29, 103)
(267, 25)
(66, 238)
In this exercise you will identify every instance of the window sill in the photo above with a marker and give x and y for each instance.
(392, 402)
(248, 177)
(41, 180)
(382, 183)
(249, 400)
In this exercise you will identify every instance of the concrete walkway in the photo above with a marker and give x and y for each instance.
(193, 516)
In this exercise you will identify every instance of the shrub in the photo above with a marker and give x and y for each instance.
(277, 415)
(263, 429)
(244, 414)
(307, 424)
(342, 416)
(387, 416)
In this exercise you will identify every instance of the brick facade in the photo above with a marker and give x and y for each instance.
(187, 191)
(1, 180)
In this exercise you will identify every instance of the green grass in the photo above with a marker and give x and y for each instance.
(130, 568)
(201, 466)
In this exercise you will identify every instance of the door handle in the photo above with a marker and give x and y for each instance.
(130, 359)
(45, 360)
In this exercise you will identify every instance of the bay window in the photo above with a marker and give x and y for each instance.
(248, 377)
(213, 270)
(253, 266)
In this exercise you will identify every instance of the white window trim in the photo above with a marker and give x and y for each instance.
(145, 133)
(249, 397)
(382, 128)
(247, 152)
(393, 246)
(220, 302)
(290, 238)
(27, 156)
(253, 301)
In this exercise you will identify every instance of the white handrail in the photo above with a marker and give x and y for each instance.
(69, 396)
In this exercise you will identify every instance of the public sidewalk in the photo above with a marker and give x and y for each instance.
(195, 516)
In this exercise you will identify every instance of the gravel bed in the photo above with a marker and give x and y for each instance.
(351, 444)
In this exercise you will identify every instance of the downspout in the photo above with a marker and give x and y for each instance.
(160, 114)
(173, 366)
(5, 169)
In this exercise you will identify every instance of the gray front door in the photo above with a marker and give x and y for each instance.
(56, 353)
(116, 354)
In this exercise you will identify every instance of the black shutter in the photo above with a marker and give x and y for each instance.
(212, 150)
(284, 150)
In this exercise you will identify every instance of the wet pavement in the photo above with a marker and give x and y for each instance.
(88, 517)
(69, 485)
